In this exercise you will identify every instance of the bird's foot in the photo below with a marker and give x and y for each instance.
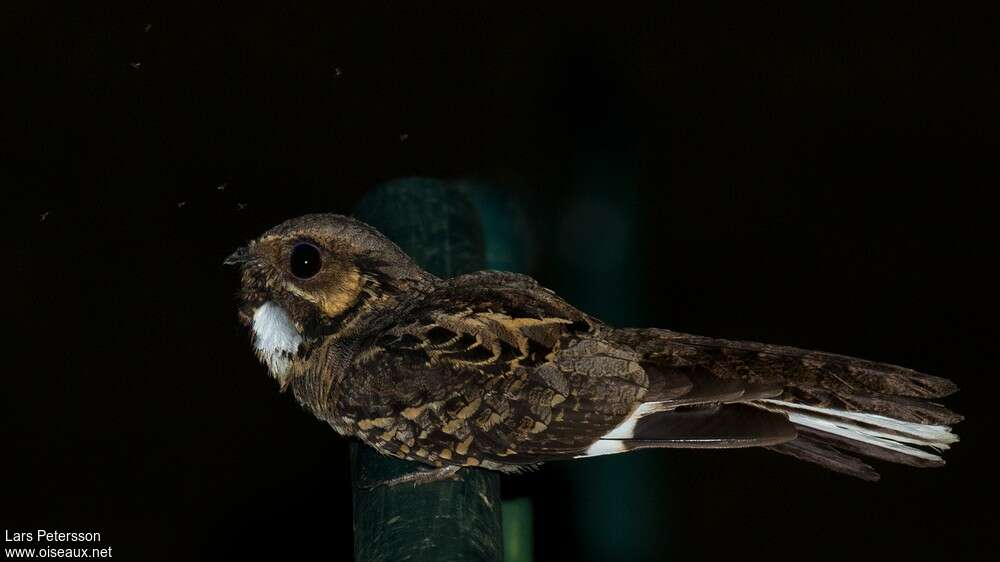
(417, 478)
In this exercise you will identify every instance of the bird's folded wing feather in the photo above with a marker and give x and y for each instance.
(494, 368)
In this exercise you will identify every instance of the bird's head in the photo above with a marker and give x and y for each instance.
(310, 278)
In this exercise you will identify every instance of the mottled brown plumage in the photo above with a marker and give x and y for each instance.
(492, 370)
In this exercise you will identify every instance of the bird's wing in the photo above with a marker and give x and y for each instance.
(491, 368)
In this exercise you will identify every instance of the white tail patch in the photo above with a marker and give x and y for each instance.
(626, 429)
(610, 444)
(275, 338)
(881, 431)
(603, 447)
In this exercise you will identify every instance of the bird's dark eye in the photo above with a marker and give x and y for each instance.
(305, 261)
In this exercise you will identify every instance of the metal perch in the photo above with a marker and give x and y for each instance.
(456, 519)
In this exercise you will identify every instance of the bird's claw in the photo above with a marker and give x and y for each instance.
(416, 478)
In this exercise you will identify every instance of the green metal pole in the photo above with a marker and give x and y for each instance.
(442, 521)
(507, 239)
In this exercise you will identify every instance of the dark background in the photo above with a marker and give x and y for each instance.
(819, 179)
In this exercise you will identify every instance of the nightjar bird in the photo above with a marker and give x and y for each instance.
(492, 370)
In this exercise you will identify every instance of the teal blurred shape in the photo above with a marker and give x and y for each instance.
(507, 233)
(621, 501)
(518, 540)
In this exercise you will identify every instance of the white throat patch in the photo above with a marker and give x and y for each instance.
(275, 338)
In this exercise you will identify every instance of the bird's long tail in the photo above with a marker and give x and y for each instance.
(818, 407)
